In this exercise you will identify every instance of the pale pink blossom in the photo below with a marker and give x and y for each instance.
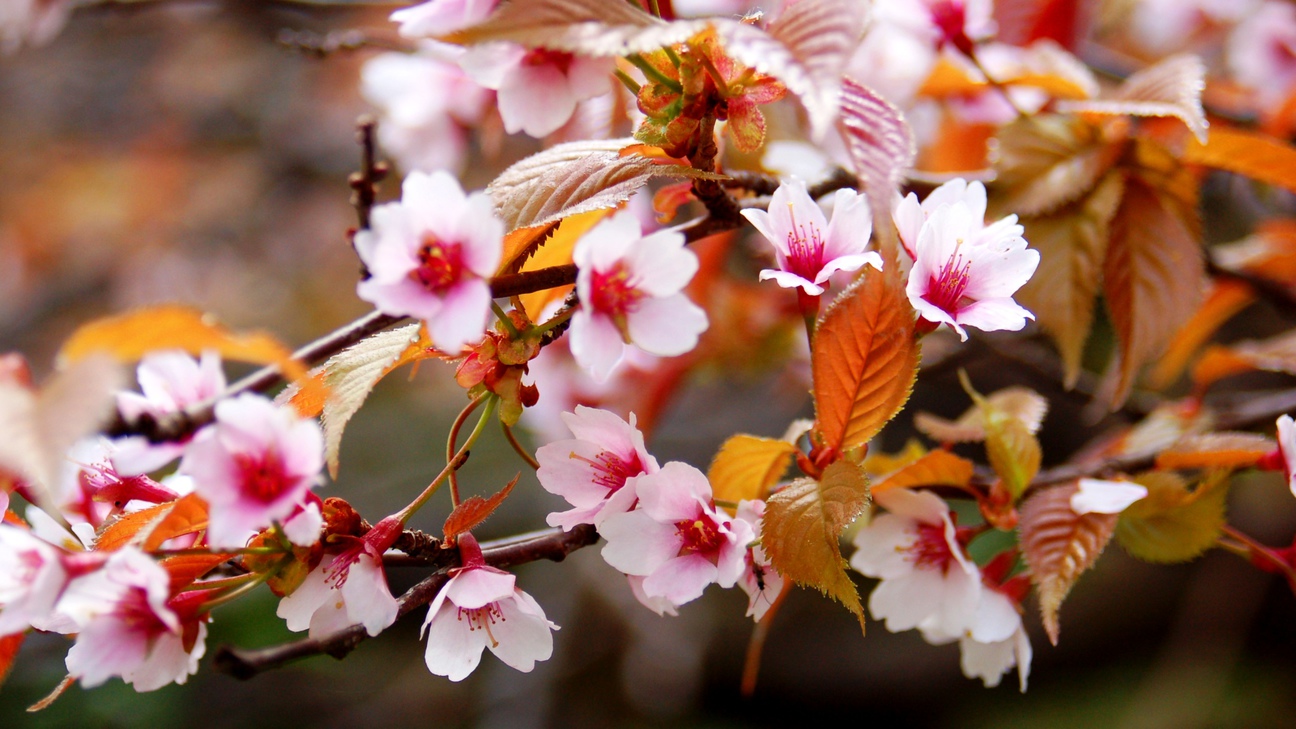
(32, 578)
(677, 539)
(1262, 52)
(347, 589)
(169, 381)
(965, 272)
(926, 579)
(1287, 449)
(537, 88)
(595, 469)
(129, 628)
(429, 256)
(304, 526)
(254, 465)
(759, 580)
(1164, 26)
(658, 604)
(31, 22)
(630, 288)
(994, 643)
(481, 607)
(437, 17)
(808, 248)
(1097, 496)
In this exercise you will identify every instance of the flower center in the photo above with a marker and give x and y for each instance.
(263, 477)
(137, 614)
(805, 250)
(701, 536)
(611, 471)
(930, 550)
(945, 290)
(483, 618)
(440, 264)
(545, 57)
(612, 292)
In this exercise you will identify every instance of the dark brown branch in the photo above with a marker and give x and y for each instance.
(552, 544)
(839, 179)
(364, 184)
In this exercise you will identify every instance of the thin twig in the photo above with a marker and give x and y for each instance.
(364, 184)
(552, 544)
(326, 44)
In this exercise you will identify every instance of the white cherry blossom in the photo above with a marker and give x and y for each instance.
(595, 469)
(170, 382)
(537, 89)
(346, 589)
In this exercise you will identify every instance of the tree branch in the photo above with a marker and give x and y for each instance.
(552, 544)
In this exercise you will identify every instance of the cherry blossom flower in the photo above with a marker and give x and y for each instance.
(595, 469)
(808, 248)
(1287, 449)
(537, 89)
(31, 22)
(429, 256)
(170, 381)
(630, 288)
(32, 578)
(436, 17)
(349, 589)
(253, 466)
(1262, 52)
(128, 627)
(1096, 496)
(658, 604)
(926, 578)
(481, 607)
(759, 580)
(965, 272)
(676, 539)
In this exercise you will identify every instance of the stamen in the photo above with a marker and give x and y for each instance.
(610, 470)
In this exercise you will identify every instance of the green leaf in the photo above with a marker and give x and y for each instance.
(1173, 524)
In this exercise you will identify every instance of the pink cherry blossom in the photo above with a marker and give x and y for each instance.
(630, 289)
(31, 22)
(1096, 496)
(170, 382)
(32, 578)
(430, 255)
(253, 466)
(677, 540)
(347, 589)
(538, 89)
(965, 272)
(436, 17)
(1287, 449)
(129, 628)
(926, 579)
(1262, 52)
(658, 604)
(481, 607)
(593, 469)
(759, 580)
(808, 248)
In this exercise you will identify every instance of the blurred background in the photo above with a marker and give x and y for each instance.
(179, 152)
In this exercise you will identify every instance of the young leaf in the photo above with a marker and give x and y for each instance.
(187, 515)
(803, 523)
(1258, 156)
(807, 48)
(1153, 274)
(1173, 524)
(1226, 298)
(587, 27)
(1013, 451)
(185, 568)
(878, 139)
(130, 336)
(1047, 161)
(126, 528)
(864, 360)
(1021, 403)
(576, 177)
(1172, 87)
(474, 510)
(1216, 450)
(747, 466)
(1059, 545)
(938, 468)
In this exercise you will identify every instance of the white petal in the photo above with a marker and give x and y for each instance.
(666, 327)
(1097, 496)
(452, 650)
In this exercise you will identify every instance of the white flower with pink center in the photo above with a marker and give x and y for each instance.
(592, 469)
(32, 578)
(1262, 52)
(254, 465)
(481, 607)
(128, 627)
(170, 382)
(429, 256)
(759, 579)
(630, 289)
(965, 272)
(926, 579)
(347, 589)
(538, 88)
(808, 248)
(437, 17)
(677, 539)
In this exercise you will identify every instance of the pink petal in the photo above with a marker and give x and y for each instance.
(993, 315)
(666, 327)
(463, 316)
(595, 343)
(369, 601)
(850, 228)
(452, 650)
(681, 579)
(636, 543)
(475, 588)
(880, 547)
(675, 493)
(523, 633)
(789, 280)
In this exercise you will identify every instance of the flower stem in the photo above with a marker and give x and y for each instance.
(453, 438)
(652, 74)
(233, 594)
(220, 583)
(522, 452)
(477, 430)
(628, 82)
(505, 320)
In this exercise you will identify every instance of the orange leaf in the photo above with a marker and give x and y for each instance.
(188, 515)
(1216, 450)
(864, 360)
(1059, 545)
(184, 569)
(473, 511)
(959, 147)
(1269, 252)
(311, 394)
(1227, 297)
(747, 466)
(521, 243)
(1258, 156)
(130, 336)
(949, 79)
(1270, 355)
(1216, 363)
(9, 646)
(1153, 273)
(803, 523)
(121, 531)
(938, 468)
